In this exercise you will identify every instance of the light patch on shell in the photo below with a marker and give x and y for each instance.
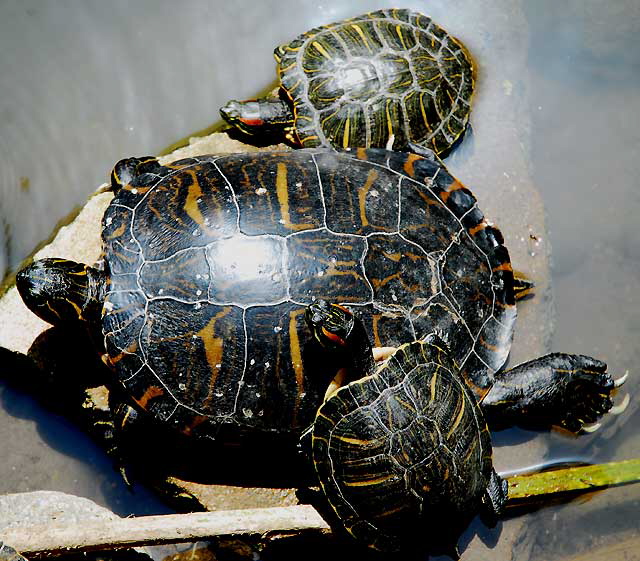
(267, 364)
(108, 221)
(108, 306)
(390, 141)
(260, 191)
(134, 191)
(277, 329)
(247, 413)
(252, 361)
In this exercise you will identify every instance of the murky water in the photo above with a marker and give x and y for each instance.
(86, 83)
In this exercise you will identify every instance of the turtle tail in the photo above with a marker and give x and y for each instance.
(522, 285)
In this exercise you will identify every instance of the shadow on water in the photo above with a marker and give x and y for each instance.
(30, 393)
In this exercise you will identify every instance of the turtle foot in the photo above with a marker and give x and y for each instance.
(570, 391)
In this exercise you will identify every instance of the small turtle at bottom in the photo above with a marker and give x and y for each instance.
(389, 79)
(402, 450)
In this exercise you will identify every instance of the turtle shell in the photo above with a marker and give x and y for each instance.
(213, 260)
(403, 451)
(391, 74)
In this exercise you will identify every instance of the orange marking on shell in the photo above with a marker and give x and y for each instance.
(117, 233)
(362, 196)
(455, 186)
(131, 349)
(376, 336)
(197, 420)
(473, 231)
(151, 393)
(502, 267)
(488, 345)
(408, 164)
(213, 350)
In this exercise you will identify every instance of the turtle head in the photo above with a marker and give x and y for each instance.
(244, 115)
(126, 171)
(264, 117)
(331, 324)
(57, 290)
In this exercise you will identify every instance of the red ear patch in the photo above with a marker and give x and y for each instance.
(333, 337)
(252, 122)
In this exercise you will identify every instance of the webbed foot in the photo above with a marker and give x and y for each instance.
(570, 391)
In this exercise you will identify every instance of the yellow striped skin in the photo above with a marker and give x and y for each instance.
(58, 290)
(405, 453)
(383, 79)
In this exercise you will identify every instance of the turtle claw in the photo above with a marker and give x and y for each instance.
(570, 391)
(621, 407)
(591, 428)
(617, 383)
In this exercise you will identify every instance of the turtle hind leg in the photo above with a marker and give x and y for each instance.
(110, 427)
(565, 390)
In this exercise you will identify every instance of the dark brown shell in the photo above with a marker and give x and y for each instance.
(213, 259)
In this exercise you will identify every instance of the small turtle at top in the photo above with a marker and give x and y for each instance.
(212, 307)
(389, 79)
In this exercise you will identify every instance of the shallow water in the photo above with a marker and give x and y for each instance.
(85, 84)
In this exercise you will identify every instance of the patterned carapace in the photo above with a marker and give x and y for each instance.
(212, 261)
(391, 72)
(403, 447)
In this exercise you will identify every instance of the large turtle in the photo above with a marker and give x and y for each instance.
(390, 78)
(211, 304)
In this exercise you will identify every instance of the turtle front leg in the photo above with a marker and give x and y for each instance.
(569, 391)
